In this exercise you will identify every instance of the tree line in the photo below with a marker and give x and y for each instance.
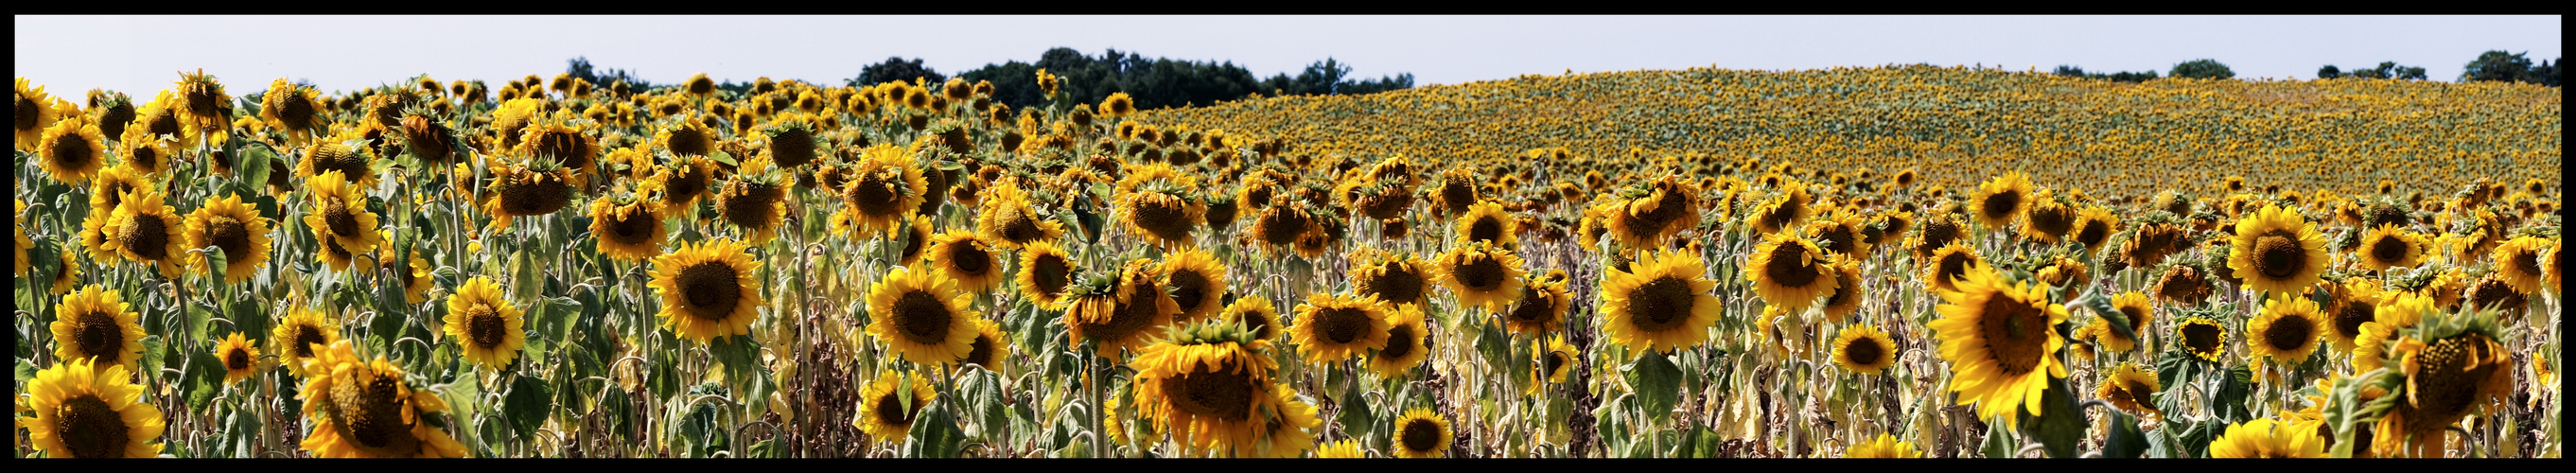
(2496, 66)
(1154, 83)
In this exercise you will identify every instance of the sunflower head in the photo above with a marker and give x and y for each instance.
(1006, 218)
(1206, 383)
(87, 408)
(1195, 281)
(1481, 275)
(2185, 284)
(95, 323)
(1119, 311)
(234, 228)
(1397, 278)
(967, 259)
(72, 149)
(2277, 250)
(2131, 388)
(1999, 201)
(1662, 301)
(1332, 328)
(2518, 264)
(1542, 305)
(239, 358)
(1864, 350)
(485, 324)
(1421, 433)
(923, 315)
(2391, 246)
(34, 110)
(1487, 223)
(708, 290)
(368, 409)
(628, 225)
(1885, 445)
(891, 402)
(145, 230)
(1407, 343)
(2002, 337)
(2203, 337)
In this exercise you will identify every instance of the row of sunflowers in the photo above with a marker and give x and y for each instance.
(1692, 264)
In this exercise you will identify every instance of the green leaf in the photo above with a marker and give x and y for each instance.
(1701, 443)
(1612, 426)
(934, 434)
(2060, 422)
(526, 405)
(2126, 440)
(1999, 442)
(2233, 392)
(215, 263)
(1658, 384)
(2195, 440)
(1355, 417)
(254, 165)
(155, 350)
(203, 379)
(2175, 367)
(619, 411)
(766, 449)
(741, 359)
(981, 390)
(528, 280)
(1494, 345)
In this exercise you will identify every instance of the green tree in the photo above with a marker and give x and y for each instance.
(2203, 69)
(2497, 65)
(2329, 72)
(897, 69)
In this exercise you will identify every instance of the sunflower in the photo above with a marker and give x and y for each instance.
(753, 204)
(1421, 433)
(2286, 330)
(1119, 311)
(1407, 343)
(484, 324)
(2093, 227)
(1883, 446)
(19, 229)
(1282, 223)
(2202, 337)
(1790, 272)
(2046, 220)
(1841, 233)
(365, 409)
(1205, 384)
(961, 256)
(888, 185)
(2518, 264)
(1784, 211)
(294, 108)
(1662, 302)
(922, 315)
(1481, 275)
(35, 110)
(2350, 304)
(1346, 448)
(84, 410)
(96, 323)
(2267, 438)
(2391, 246)
(990, 348)
(339, 215)
(1542, 304)
(72, 150)
(708, 290)
(110, 188)
(628, 225)
(682, 182)
(1282, 435)
(2131, 388)
(235, 228)
(1939, 231)
(1847, 291)
(143, 153)
(2141, 313)
(1998, 334)
(412, 271)
(2183, 283)
(147, 231)
(1332, 328)
(1196, 282)
(1005, 218)
(1864, 350)
(885, 412)
(2000, 200)
(1162, 213)
(684, 137)
(1486, 222)
(2277, 250)
(1118, 105)
(71, 270)
(355, 163)
(1045, 272)
(1397, 278)
(240, 359)
(1669, 206)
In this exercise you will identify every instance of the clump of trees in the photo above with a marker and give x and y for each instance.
(2122, 76)
(2386, 70)
(2510, 67)
(1153, 82)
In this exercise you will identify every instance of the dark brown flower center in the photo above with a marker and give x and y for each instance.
(2052, 220)
(1485, 229)
(1399, 342)
(1955, 266)
(1863, 352)
(2290, 333)
(632, 226)
(100, 337)
(72, 151)
(2016, 333)
(1341, 325)
(369, 413)
(1840, 238)
(90, 429)
(2449, 384)
(1050, 273)
(878, 193)
(230, 235)
(980, 352)
(923, 317)
(1225, 393)
(1937, 233)
(712, 289)
(1258, 321)
(2093, 234)
(2001, 205)
(749, 206)
(1164, 216)
(890, 409)
(1535, 305)
(2495, 294)
(2388, 250)
(688, 141)
(342, 220)
(2349, 316)
(2526, 261)
(1397, 282)
(237, 359)
(968, 259)
(1553, 360)
(2277, 255)
(145, 235)
(306, 336)
(1421, 435)
(485, 327)
(2203, 338)
(29, 113)
(1661, 304)
(1482, 274)
(1189, 288)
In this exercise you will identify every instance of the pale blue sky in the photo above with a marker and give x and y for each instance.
(140, 55)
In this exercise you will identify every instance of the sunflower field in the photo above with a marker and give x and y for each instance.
(1860, 262)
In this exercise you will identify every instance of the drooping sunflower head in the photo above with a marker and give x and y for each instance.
(1256, 314)
(354, 162)
(294, 108)
(2267, 438)
(683, 181)
(684, 137)
(1481, 275)
(1864, 350)
(2203, 337)
(2130, 388)
(1164, 214)
(1948, 264)
(1332, 328)
(1205, 383)
(339, 213)
(72, 149)
(753, 203)
(1195, 281)
(708, 290)
(2286, 330)
(964, 257)
(890, 404)
(365, 409)
(1999, 201)
(1006, 218)
(2185, 284)
(1846, 297)
(1664, 209)
(1542, 305)
(1119, 311)
(94, 323)
(234, 228)
(2518, 266)
(1662, 301)
(1398, 278)
(1421, 433)
(2277, 250)
(1939, 231)
(558, 141)
(484, 324)
(88, 408)
(1555, 360)
(1841, 233)
(2001, 337)
(923, 315)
